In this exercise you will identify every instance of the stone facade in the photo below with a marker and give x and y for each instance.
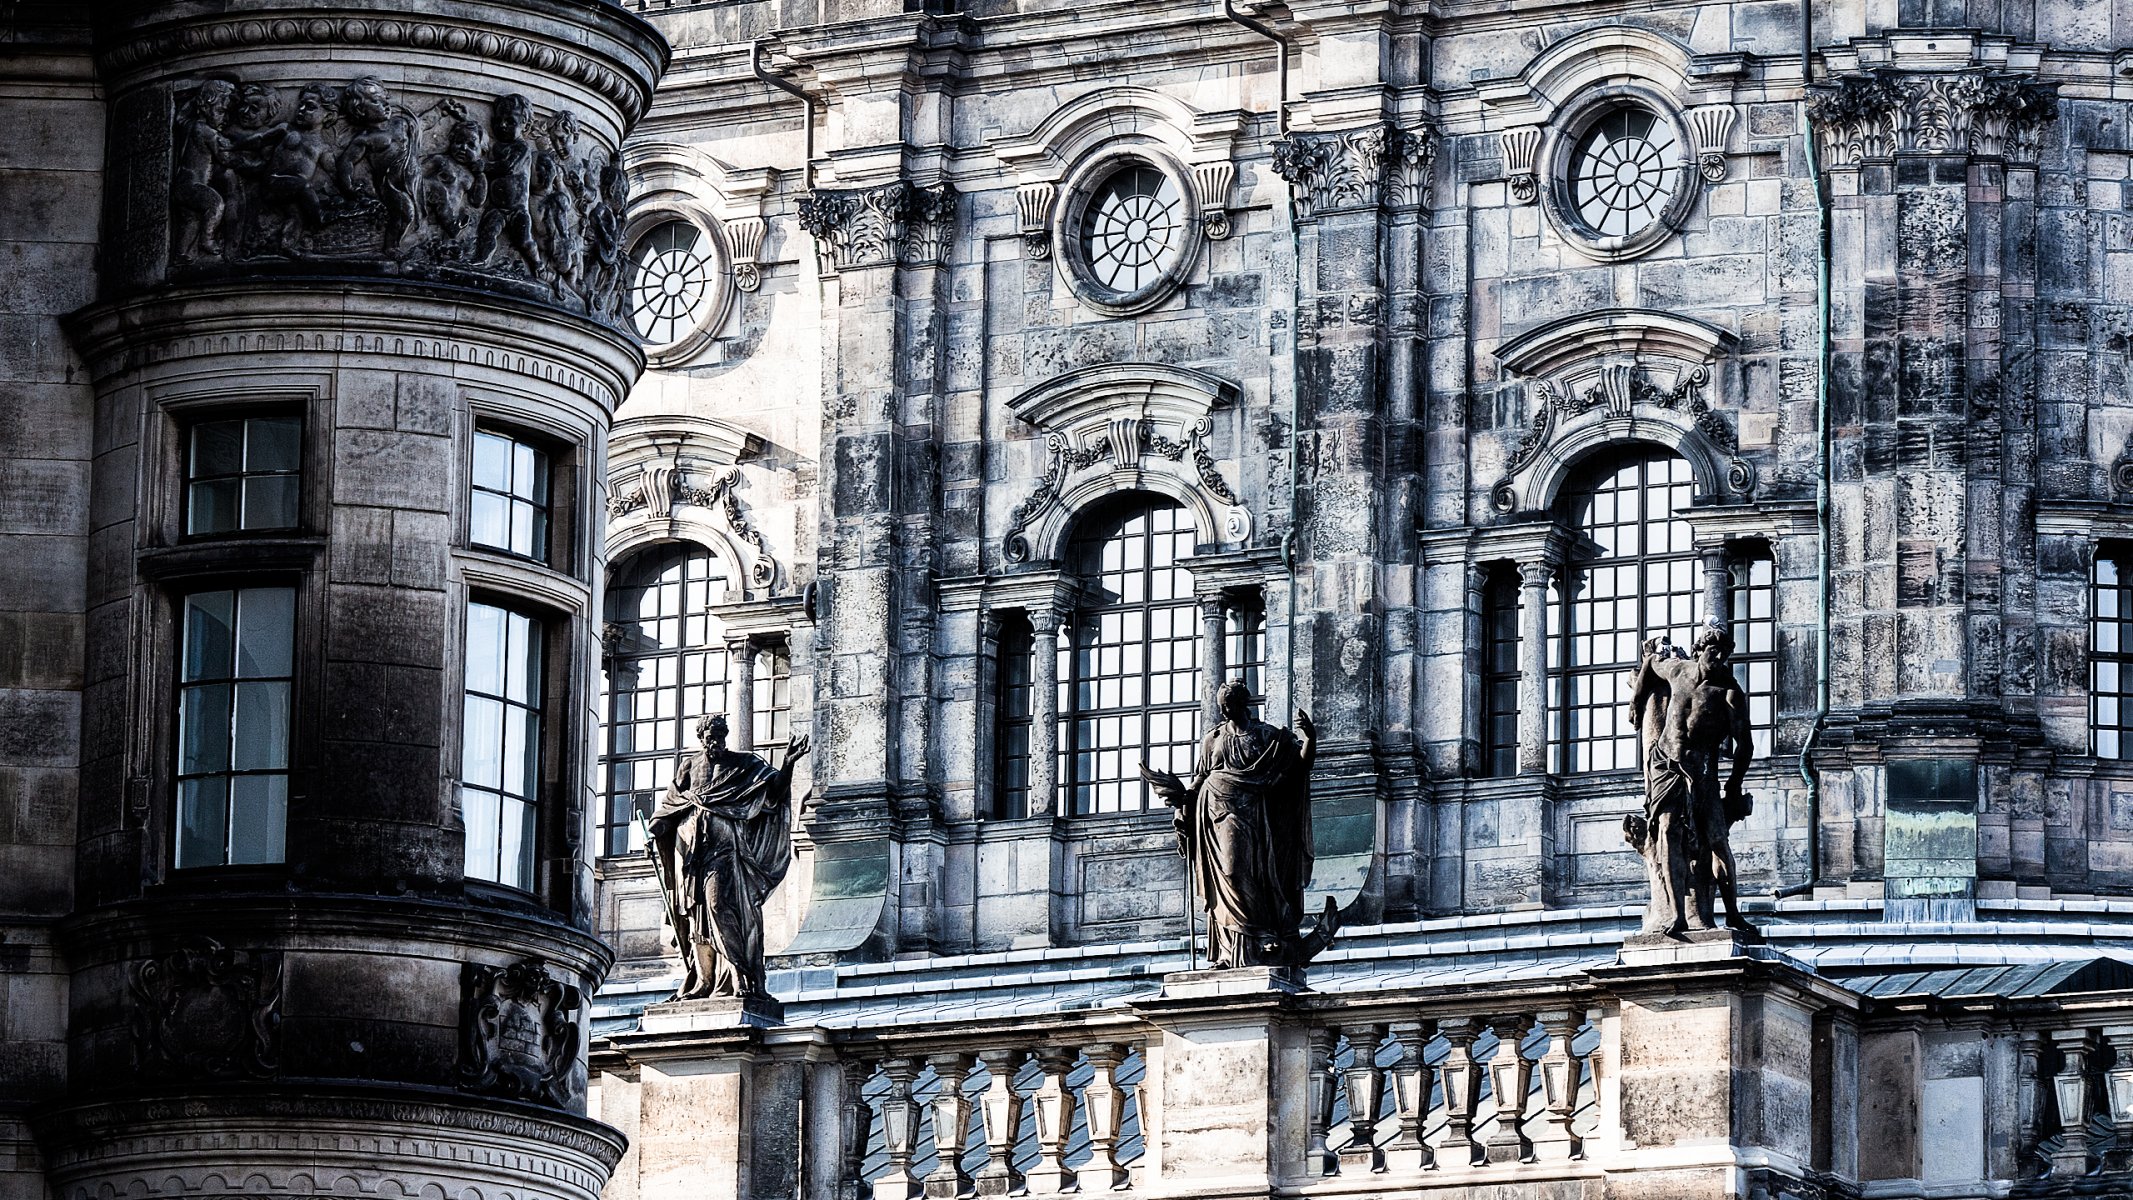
(1394, 339)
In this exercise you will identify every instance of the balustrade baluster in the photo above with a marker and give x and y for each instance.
(951, 1125)
(1511, 1077)
(2070, 1089)
(1054, 1106)
(1461, 1078)
(1410, 1094)
(1002, 1110)
(1105, 1103)
(2118, 1093)
(899, 1131)
(1559, 1085)
(1318, 1093)
(854, 1122)
(1366, 1089)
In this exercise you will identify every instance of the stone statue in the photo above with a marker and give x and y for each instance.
(1244, 826)
(721, 839)
(378, 163)
(1690, 714)
(200, 154)
(559, 182)
(455, 182)
(512, 159)
(299, 163)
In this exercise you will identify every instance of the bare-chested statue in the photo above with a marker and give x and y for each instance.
(200, 154)
(1244, 825)
(1691, 715)
(721, 840)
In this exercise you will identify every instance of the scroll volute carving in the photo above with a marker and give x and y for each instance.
(347, 175)
(207, 1011)
(518, 1028)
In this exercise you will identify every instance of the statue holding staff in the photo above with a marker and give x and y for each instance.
(1244, 826)
(1691, 717)
(721, 839)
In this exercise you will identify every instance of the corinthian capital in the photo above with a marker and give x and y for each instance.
(1352, 168)
(880, 226)
(1879, 114)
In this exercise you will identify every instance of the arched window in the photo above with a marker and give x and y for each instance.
(1632, 573)
(1133, 682)
(668, 667)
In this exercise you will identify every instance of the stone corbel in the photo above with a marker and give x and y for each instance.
(1211, 182)
(1710, 125)
(746, 238)
(880, 226)
(1033, 204)
(1520, 146)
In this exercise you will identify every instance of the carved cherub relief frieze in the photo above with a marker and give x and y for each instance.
(349, 175)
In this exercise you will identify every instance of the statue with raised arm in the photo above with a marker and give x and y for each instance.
(721, 840)
(1244, 826)
(1693, 725)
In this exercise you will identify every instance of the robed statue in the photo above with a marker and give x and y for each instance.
(1693, 725)
(1244, 826)
(721, 840)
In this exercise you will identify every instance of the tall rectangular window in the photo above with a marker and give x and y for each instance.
(1244, 646)
(510, 496)
(2110, 659)
(1015, 715)
(242, 474)
(500, 744)
(1499, 673)
(1755, 643)
(235, 667)
(771, 703)
(1134, 682)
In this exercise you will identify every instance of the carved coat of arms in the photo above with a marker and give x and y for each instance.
(518, 1033)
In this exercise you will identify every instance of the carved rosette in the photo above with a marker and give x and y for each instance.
(207, 1012)
(518, 1030)
(1356, 168)
(880, 226)
(1879, 114)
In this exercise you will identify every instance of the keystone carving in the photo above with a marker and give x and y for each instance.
(494, 195)
(663, 485)
(880, 226)
(518, 1032)
(206, 1011)
(1883, 113)
(1353, 169)
(1033, 204)
(1710, 127)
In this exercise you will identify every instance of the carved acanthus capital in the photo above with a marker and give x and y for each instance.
(1334, 172)
(519, 1033)
(1883, 113)
(880, 226)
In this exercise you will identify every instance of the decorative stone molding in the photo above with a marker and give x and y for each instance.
(347, 175)
(1413, 155)
(1211, 182)
(1149, 423)
(1881, 113)
(519, 1033)
(1617, 373)
(662, 463)
(747, 238)
(880, 226)
(674, 182)
(1709, 126)
(1033, 204)
(207, 1012)
(1356, 168)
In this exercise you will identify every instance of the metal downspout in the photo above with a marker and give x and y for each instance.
(807, 119)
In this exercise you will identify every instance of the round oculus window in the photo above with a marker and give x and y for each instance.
(1133, 230)
(673, 278)
(1623, 171)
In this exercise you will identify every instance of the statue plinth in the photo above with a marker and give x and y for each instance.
(717, 1012)
(1695, 946)
(1233, 981)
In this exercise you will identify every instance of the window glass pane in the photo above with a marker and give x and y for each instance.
(260, 739)
(485, 649)
(203, 821)
(272, 444)
(269, 501)
(489, 520)
(218, 449)
(514, 854)
(266, 622)
(492, 462)
(2110, 683)
(481, 757)
(204, 729)
(259, 818)
(242, 474)
(481, 812)
(210, 624)
(213, 506)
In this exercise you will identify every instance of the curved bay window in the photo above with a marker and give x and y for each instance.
(668, 667)
(1132, 684)
(1633, 573)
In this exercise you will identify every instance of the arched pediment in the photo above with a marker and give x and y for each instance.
(1618, 375)
(667, 476)
(1115, 112)
(1148, 426)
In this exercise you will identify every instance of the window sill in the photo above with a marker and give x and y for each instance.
(232, 554)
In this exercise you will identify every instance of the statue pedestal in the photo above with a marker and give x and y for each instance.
(1233, 981)
(718, 1012)
(1697, 946)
